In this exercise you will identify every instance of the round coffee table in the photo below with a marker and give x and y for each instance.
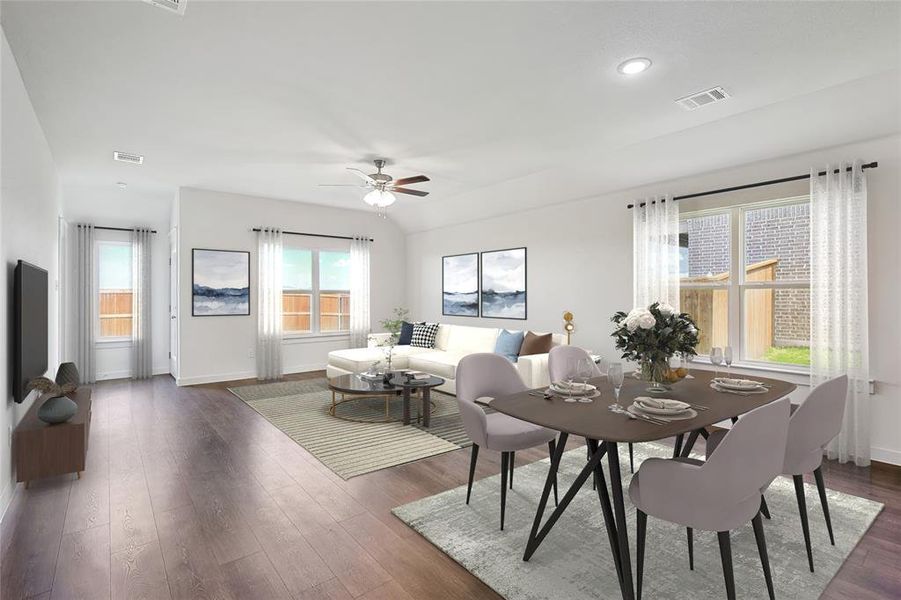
(354, 388)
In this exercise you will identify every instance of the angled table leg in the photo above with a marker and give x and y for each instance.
(622, 531)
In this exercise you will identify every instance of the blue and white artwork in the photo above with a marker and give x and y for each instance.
(460, 289)
(504, 284)
(221, 283)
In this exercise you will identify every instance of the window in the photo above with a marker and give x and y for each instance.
(114, 286)
(315, 291)
(746, 279)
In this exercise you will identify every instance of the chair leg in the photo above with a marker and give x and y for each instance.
(764, 508)
(505, 462)
(726, 556)
(821, 488)
(691, 548)
(552, 447)
(512, 459)
(802, 508)
(757, 522)
(472, 469)
(642, 519)
(631, 459)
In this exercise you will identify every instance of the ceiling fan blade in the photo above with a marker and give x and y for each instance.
(356, 185)
(409, 180)
(362, 175)
(406, 191)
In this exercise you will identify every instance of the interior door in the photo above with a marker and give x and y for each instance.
(173, 302)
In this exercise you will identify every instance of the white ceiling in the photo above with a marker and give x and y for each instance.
(504, 105)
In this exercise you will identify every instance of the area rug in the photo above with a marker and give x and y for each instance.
(300, 410)
(574, 561)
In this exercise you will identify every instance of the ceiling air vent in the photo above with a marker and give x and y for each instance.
(135, 159)
(176, 6)
(699, 99)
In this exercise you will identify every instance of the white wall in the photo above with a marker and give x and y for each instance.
(114, 207)
(220, 348)
(580, 255)
(29, 195)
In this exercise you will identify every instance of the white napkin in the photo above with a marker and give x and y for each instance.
(575, 386)
(664, 403)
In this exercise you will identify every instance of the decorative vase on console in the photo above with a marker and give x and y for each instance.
(55, 406)
(651, 337)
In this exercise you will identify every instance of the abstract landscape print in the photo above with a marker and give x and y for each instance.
(221, 283)
(504, 284)
(460, 285)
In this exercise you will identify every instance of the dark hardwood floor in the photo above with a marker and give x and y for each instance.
(189, 493)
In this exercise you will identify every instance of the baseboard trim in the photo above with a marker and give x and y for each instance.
(886, 456)
(223, 377)
(126, 373)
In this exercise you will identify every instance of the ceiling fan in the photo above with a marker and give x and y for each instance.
(382, 186)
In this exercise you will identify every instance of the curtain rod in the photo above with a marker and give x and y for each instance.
(119, 229)
(871, 165)
(322, 235)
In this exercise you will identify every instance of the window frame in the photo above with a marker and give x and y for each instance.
(315, 317)
(119, 340)
(737, 283)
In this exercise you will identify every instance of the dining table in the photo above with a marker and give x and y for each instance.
(604, 430)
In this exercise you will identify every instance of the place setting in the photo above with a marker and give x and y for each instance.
(728, 384)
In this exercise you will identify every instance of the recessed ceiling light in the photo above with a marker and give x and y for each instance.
(122, 184)
(633, 66)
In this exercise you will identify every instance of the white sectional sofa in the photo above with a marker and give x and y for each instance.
(452, 343)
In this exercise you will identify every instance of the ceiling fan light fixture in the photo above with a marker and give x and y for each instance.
(379, 198)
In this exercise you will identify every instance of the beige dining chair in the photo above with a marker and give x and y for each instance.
(720, 494)
(486, 376)
(812, 425)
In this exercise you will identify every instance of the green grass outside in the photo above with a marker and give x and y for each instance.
(790, 355)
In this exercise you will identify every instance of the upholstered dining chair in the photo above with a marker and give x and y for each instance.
(562, 361)
(720, 494)
(813, 424)
(486, 375)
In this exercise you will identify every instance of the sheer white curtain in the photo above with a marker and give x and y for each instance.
(359, 291)
(84, 301)
(838, 299)
(141, 335)
(655, 248)
(269, 313)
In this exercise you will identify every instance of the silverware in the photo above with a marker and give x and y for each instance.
(544, 395)
(620, 410)
(698, 407)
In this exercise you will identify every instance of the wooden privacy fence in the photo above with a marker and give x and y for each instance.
(115, 313)
(710, 309)
(334, 311)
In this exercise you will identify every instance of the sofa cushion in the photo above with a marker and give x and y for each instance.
(442, 337)
(469, 340)
(406, 334)
(533, 343)
(357, 360)
(508, 344)
(424, 335)
(437, 362)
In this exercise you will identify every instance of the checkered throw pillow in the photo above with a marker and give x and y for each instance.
(424, 335)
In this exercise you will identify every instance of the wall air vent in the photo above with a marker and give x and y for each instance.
(176, 6)
(699, 99)
(135, 159)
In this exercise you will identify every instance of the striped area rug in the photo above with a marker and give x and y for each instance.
(300, 410)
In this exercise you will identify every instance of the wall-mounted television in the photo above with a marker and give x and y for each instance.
(30, 335)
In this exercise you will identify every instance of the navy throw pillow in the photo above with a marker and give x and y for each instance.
(406, 334)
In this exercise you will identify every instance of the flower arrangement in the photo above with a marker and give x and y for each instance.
(651, 336)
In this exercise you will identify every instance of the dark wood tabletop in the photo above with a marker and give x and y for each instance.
(596, 421)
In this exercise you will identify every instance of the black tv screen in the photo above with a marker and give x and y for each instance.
(30, 337)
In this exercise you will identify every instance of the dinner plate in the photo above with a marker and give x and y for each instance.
(740, 385)
(688, 414)
(660, 411)
(560, 394)
(577, 389)
(757, 390)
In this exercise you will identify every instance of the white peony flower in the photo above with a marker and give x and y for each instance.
(666, 308)
(631, 325)
(647, 321)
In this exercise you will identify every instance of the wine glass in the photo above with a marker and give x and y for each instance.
(727, 357)
(616, 376)
(716, 357)
(602, 365)
(571, 376)
(586, 371)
